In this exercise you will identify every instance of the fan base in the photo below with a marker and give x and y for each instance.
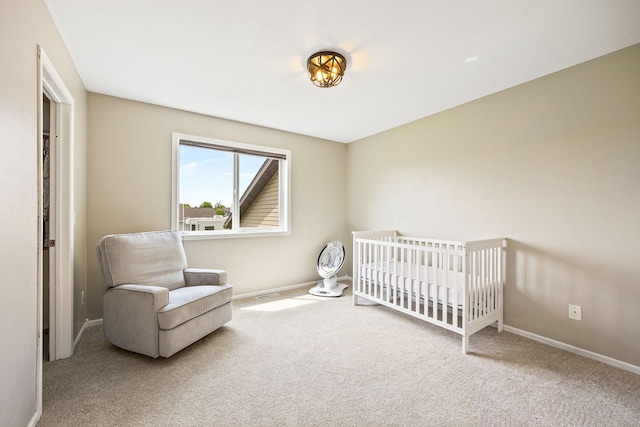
(328, 288)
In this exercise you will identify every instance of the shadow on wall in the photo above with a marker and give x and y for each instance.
(540, 287)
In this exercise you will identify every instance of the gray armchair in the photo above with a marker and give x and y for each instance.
(154, 304)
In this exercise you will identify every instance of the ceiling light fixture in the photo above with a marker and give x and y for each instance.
(326, 68)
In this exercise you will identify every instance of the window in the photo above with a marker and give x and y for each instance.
(228, 189)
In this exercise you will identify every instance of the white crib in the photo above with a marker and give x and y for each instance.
(455, 285)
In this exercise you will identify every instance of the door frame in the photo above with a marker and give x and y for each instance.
(61, 295)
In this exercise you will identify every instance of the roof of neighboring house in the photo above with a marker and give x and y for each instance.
(186, 212)
(268, 169)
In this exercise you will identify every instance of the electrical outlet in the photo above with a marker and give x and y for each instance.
(575, 312)
(82, 298)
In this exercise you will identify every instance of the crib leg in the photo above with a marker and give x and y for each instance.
(465, 344)
(500, 323)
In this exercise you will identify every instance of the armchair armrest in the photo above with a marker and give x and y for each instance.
(153, 297)
(204, 276)
(127, 305)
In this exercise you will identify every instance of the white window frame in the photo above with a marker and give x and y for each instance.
(285, 186)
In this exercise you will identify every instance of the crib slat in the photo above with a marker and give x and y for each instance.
(401, 277)
(407, 282)
(457, 286)
(494, 278)
(384, 280)
(384, 286)
(363, 262)
(410, 274)
(479, 285)
(479, 288)
(393, 283)
(445, 280)
(371, 270)
(423, 285)
(485, 273)
(478, 302)
(417, 283)
(375, 285)
(356, 268)
(473, 285)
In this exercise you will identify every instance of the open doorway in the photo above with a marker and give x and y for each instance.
(56, 216)
(48, 233)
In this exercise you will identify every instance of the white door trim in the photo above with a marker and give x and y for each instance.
(61, 324)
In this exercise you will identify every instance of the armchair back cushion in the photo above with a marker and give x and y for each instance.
(149, 259)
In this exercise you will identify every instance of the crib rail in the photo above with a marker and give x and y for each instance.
(455, 285)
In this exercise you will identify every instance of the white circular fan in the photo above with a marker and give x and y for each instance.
(330, 261)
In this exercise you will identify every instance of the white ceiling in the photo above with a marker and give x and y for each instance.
(245, 60)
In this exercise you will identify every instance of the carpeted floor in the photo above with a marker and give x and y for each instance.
(297, 360)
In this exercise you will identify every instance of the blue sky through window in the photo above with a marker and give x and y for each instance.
(207, 175)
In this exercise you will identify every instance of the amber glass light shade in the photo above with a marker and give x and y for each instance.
(326, 68)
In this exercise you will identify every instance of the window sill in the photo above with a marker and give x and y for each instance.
(216, 235)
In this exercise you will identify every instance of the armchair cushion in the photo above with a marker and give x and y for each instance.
(190, 302)
(152, 258)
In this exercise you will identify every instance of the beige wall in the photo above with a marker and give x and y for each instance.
(24, 25)
(554, 165)
(129, 161)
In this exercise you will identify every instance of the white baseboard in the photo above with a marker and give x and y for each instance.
(87, 323)
(577, 350)
(283, 289)
(94, 322)
(34, 420)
